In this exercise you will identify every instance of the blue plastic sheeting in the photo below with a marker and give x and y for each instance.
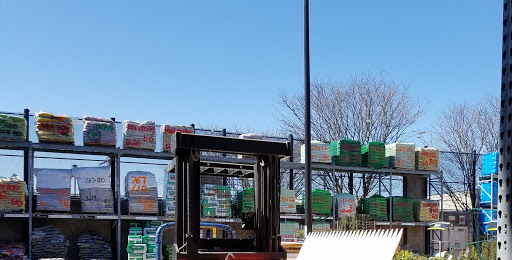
(485, 193)
(490, 164)
(487, 215)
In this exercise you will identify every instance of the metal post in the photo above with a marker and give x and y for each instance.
(117, 172)
(473, 180)
(224, 179)
(351, 183)
(290, 137)
(308, 207)
(390, 200)
(30, 169)
(505, 158)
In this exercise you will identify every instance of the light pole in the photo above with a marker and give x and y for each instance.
(307, 122)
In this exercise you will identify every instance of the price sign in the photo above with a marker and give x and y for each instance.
(138, 183)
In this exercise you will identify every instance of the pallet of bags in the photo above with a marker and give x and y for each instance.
(170, 194)
(99, 131)
(216, 200)
(401, 156)
(373, 155)
(141, 191)
(13, 251)
(49, 242)
(54, 129)
(138, 135)
(12, 194)
(375, 207)
(320, 152)
(287, 204)
(426, 210)
(92, 246)
(346, 152)
(321, 201)
(345, 204)
(403, 208)
(288, 231)
(490, 164)
(95, 189)
(245, 201)
(13, 128)
(427, 159)
(53, 188)
(169, 130)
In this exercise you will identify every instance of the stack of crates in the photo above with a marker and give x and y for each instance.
(245, 201)
(142, 240)
(216, 200)
(346, 152)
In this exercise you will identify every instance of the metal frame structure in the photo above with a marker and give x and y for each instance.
(267, 183)
(505, 171)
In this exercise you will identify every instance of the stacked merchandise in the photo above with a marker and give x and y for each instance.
(13, 251)
(216, 200)
(320, 226)
(375, 207)
(92, 246)
(168, 252)
(53, 189)
(400, 156)
(12, 194)
(373, 155)
(320, 152)
(142, 193)
(139, 135)
(403, 209)
(99, 131)
(488, 189)
(136, 249)
(13, 128)
(245, 201)
(346, 152)
(142, 240)
(321, 202)
(95, 189)
(169, 130)
(54, 129)
(289, 231)
(252, 137)
(170, 194)
(427, 159)
(287, 204)
(49, 242)
(426, 210)
(490, 164)
(345, 204)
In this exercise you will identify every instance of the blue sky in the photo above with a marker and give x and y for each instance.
(224, 62)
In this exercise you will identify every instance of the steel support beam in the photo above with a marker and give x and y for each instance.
(505, 171)
(307, 122)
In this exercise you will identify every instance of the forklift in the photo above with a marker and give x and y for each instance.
(263, 167)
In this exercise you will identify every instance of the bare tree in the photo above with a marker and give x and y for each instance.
(462, 129)
(369, 107)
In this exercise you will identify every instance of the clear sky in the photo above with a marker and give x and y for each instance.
(224, 62)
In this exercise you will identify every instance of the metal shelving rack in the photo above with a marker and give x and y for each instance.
(492, 179)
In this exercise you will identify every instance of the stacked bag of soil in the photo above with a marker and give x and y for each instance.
(320, 203)
(12, 194)
(287, 204)
(169, 130)
(99, 131)
(13, 128)
(427, 159)
(400, 156)
(92, 246)
(216, 200)
(54, 129)
(95, 189)
(373, 155)
(142, 193)
(138, 135)
(346, 152)
(53, 189)
(49, 242)
(13, 251)
(375, 207)
(426, 210)
(403, 209)
(245, 201)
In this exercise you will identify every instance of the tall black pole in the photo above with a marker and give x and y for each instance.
(307, 122)
(291, 160)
